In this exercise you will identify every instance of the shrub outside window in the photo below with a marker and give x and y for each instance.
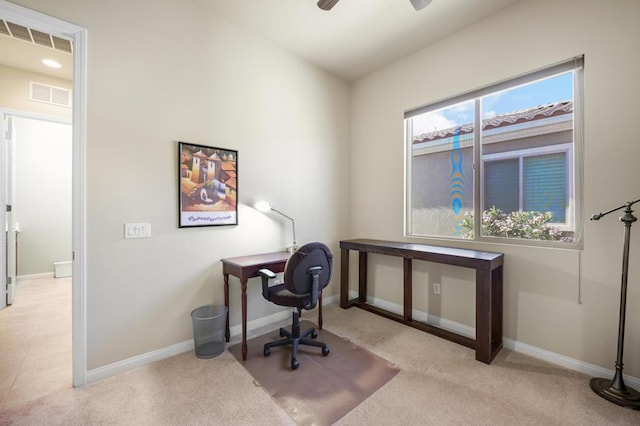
(501, 163)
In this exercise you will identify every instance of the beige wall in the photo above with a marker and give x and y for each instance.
(14, 92)
(541, 285)
(41, 242)
(169, 72)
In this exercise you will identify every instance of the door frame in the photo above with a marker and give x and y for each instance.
(78, 36)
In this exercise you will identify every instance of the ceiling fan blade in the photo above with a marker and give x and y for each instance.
(326, 4)
(420, 4)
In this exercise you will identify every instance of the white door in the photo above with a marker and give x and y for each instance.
(8, 289)
(38, 196)
(42, 195)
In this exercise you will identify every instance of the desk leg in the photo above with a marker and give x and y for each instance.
(227, 333)
(320, 312)
(243, 288)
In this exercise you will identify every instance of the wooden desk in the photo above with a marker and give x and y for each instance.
(245, 267)
(488, 267)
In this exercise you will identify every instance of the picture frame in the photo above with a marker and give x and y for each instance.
(207, 185)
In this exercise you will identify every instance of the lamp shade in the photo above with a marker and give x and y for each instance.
(265, 206)
(262, 206)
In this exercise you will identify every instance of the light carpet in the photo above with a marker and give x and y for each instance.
(439, 383)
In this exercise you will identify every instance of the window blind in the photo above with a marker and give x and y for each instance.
(544, 185)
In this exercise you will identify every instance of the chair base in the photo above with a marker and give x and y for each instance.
(296, 338)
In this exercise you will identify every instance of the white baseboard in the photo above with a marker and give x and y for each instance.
(138, 361)
(567, 362)
(189, 345)
(169, 351)
(328, 300)
(543, 354)
(40, 276)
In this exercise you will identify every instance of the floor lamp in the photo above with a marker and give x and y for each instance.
(615, 390)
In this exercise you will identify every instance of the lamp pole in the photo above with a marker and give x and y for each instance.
(294, 247)
(615, 390)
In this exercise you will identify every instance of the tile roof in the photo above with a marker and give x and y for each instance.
(530, 114)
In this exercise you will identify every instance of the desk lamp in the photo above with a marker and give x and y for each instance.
(265, 206)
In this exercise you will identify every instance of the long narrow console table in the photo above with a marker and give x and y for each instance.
(488, 267)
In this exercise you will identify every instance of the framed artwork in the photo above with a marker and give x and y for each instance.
(208, 179)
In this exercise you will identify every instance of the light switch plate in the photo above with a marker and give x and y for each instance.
(137, 230)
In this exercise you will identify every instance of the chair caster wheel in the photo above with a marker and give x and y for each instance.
(294, 364)
(266, 352)
(282, 333)
(325, 351)
(314, 334)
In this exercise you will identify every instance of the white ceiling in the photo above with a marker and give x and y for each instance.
(352, 40)
(356, 37)
(28, 56)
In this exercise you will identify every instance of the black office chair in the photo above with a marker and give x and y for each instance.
(307, 272)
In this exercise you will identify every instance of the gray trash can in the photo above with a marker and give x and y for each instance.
(208, 330)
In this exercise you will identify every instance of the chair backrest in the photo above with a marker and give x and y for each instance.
(296, 278)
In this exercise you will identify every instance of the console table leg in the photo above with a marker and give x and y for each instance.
(344, 278)
(408, 289)
(483, 315)
(496, 310)
(362, 274)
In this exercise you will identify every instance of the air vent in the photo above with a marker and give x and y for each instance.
(61, 44)
(34, 36)
(3, 28)
(43, 39)
(40, 92)
(18, 31)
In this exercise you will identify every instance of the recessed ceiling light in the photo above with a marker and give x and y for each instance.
(51, 63)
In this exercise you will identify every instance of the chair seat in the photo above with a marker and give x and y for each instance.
(279, 295)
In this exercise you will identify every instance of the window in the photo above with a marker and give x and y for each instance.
(500, 162)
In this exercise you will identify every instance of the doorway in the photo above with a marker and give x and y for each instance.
(77, 36)
(39, 173)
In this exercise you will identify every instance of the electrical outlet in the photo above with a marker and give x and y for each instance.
(436, 288)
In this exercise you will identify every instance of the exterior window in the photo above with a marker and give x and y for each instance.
(500, 162)
(528, 183)
(442, 171)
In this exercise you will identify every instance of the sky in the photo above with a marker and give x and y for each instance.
(554, 89)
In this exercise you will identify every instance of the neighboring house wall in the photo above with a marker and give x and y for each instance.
(432, 202)
(433, 169)
(168, 72)
(542, 286)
